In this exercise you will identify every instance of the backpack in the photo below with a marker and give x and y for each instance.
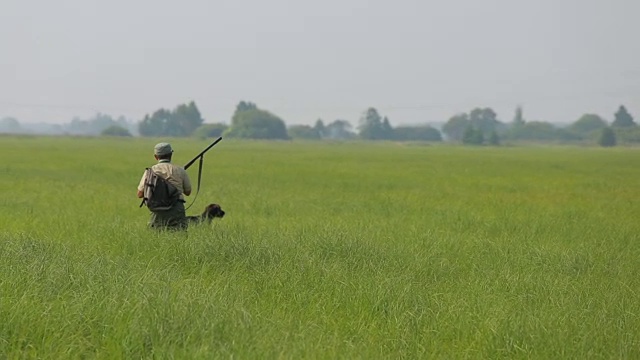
(159, 194)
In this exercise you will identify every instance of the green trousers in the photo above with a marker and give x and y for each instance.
(172, 219)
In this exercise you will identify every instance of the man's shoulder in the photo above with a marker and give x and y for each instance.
(179, 168)
(166, 165)
(169, 168)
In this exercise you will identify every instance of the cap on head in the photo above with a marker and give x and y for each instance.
(162, 149)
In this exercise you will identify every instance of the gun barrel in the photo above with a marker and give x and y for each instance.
(202, 153)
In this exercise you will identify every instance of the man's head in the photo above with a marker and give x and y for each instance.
(163, 151)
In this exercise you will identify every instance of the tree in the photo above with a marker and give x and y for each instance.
(518, 119)
(94, 125)
(250, 122)
(534, 130)
(10, 125)
(320, 128)
(455, 127)
(182, 121)
(541, 131)
(564, 134)
(588, 123)
(245, 105)
(607, 138)
(623, 118)
(484, 120)
(371, 127)
(210, 130)
(494, 139)
(188, 118)
(115, 130)
(339, 129)
(387, 130)
(416, 133)
(629, 135)
(472, 136)
(158, 124)
(303, 132)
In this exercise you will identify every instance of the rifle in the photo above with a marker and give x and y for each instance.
(201, 157)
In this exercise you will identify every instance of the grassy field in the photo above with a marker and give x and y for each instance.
(328, 250)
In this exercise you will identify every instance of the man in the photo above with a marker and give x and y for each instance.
(174, 218)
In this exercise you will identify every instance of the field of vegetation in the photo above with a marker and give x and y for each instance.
(328, 250)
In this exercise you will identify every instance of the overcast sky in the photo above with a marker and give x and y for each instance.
(416, 61)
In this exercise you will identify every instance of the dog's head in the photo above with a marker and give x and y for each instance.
(212, 211)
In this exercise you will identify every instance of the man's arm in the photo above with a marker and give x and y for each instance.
(186, 183)
(141, 186)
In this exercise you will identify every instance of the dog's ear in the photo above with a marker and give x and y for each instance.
(207, 212)
(217, 210)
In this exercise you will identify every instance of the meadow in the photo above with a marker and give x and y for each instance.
(328, 250)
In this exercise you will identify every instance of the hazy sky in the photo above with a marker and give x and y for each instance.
(415, 61)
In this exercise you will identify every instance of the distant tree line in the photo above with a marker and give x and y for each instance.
(480, 126)
(251, 122)
(99, 124)
(372, 126)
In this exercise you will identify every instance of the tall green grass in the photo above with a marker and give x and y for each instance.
(328, 250)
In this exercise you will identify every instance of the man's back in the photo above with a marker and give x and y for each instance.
(175, 175)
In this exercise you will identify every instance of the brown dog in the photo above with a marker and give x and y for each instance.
(210, 212)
